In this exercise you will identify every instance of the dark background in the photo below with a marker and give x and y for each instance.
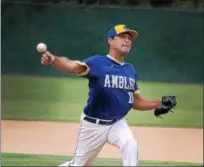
(169, 47)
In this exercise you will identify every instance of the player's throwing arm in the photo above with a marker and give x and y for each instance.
(62, 63)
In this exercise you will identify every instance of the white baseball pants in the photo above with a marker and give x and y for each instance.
(92, 137)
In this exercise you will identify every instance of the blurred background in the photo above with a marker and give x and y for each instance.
(168, 54)
(170, 34)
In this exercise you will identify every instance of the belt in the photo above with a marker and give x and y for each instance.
(99, 121)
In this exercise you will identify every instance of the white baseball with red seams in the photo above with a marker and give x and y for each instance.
(41, 47)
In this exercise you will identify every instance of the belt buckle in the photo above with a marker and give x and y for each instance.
(110, 122)
(107, 122)
(103, 122)
(97, 121)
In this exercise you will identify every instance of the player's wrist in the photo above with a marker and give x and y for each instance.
(53, 59)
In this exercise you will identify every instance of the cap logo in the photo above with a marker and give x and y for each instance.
(125, 28)
(120, 28)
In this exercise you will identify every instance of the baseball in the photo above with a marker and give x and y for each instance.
(41, 47)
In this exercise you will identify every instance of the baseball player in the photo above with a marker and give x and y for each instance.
(113, 91)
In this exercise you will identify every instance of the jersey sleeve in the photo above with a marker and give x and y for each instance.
(136, 87)
(92, 66)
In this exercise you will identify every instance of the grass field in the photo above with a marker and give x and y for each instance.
(62, 99)
(10, 159)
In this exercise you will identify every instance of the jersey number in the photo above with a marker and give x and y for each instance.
(130, 97)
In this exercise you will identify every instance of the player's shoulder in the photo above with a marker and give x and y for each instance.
(132, 68)
(96, 61)
(97, 57)
(101, 59)
(130, 65)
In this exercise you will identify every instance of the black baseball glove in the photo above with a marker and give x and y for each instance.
(167, 103)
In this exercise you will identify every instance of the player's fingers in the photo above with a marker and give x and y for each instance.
(50, 56)
(45, 57)
(44, 63)
(48, 53)
(44, 60)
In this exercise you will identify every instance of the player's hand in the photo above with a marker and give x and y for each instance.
(47, 58)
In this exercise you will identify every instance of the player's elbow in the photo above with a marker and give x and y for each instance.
(136, 105)
(72, 66)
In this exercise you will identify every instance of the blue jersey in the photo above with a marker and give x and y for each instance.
(111, 87)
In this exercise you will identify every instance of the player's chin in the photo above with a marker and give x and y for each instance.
(125, 51)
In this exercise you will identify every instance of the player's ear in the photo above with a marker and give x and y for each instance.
(110, 41)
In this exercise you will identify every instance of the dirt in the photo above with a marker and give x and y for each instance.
(57, 138)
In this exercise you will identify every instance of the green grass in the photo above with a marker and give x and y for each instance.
(63, 99)
(12, 159)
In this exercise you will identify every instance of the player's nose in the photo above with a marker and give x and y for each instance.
(127, 41)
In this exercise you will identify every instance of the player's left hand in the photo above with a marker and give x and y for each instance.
(167, 104)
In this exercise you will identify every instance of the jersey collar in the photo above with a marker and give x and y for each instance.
(110, 57)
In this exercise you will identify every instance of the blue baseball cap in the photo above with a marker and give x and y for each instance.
(119, 29)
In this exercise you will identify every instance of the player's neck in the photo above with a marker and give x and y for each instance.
(117, 56)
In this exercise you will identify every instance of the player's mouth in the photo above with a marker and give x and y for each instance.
(126, 46)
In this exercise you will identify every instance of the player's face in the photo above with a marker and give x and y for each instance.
(122, 43)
